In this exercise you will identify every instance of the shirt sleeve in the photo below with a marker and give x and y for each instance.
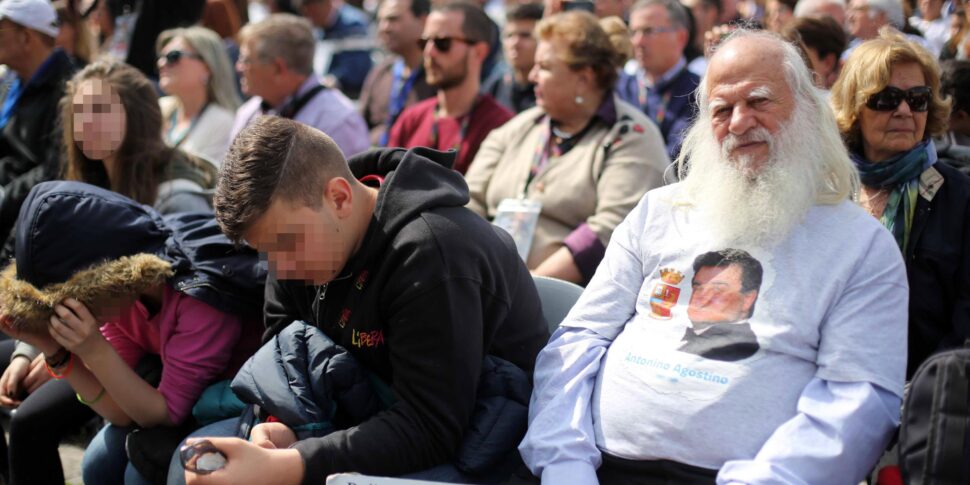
(837, 436)
(196, 354)
(560, 443)
(129, 350)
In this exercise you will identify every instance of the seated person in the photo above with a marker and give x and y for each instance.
(433, 288)
(30, 89)
(456, 43)
(276, 70)
(624, 393)
(96, 310)
(582, 157)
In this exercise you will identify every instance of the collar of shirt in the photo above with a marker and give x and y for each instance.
(307, 85)
(665, 78)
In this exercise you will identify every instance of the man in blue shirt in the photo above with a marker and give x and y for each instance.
(761, 230)
(343, 43)
(661, 85)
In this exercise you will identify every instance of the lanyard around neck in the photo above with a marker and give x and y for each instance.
(175, 140)
(465, 120)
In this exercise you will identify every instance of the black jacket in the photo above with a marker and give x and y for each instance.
(30, 143)
(938, 265)
(432, 291)
(69, 226)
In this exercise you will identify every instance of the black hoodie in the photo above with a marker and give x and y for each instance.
(432, 291)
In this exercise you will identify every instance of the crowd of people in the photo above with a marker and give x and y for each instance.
(267, 241)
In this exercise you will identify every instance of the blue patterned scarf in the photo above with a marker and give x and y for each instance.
(900, 174)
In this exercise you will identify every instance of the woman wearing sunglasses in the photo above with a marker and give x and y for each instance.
(195, 72)
(562, 175)
(888, 106)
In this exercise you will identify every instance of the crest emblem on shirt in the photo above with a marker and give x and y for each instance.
(664, 295)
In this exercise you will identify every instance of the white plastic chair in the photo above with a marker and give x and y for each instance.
(557, 297)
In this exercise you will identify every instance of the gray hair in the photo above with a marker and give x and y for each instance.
(893, 10)
(282, 36)
(675, 11)
(840, 178)
(807, 8)
(222, 84)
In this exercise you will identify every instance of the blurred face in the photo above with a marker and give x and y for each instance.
(823, 68)
(863, 22)
(318, 12)
(889, 133)
(749, 101)
(99, 119)
(255, 75)
(66, 37)
(657, 44)
(11, 42)
(717, 297)
(777, 15)
(446, 69)
(610, 8)
(299, 242)
(705, 17)
(519, 44)
(180, 69)
(956, 25)
(930, 9)
(397, 27)
(556, 84)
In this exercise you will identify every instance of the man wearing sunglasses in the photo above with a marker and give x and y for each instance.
(30, 140)
(456, 43)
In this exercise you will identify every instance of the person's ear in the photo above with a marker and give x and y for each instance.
(280, 66)
(340, 196)
(481, 50)
(749, 299)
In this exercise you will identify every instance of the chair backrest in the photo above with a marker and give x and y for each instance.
(557, 297)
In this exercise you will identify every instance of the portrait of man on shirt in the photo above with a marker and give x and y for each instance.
(724, 291)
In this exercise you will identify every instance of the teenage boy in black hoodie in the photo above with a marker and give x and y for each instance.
(383, 257)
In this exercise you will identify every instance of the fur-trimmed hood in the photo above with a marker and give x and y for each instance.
(78, 240)
(29, 308)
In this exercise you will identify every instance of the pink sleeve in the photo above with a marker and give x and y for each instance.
(130, 351)
(195, 354)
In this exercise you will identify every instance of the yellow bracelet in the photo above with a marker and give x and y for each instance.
(92, 402)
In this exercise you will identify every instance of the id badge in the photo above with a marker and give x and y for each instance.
(519, 218)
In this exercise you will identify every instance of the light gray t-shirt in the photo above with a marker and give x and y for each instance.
(707, 379)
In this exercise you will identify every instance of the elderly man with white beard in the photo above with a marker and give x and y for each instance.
(760, 232)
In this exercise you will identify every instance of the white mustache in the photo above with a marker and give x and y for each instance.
(732, 141)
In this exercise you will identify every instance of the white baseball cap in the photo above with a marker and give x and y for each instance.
(36, 15)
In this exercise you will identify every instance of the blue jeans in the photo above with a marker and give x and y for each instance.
(105, 460)
(224, 428)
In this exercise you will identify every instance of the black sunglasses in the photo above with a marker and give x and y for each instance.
(443, 44)
(888, 99)
(173, 57)
(201, 457)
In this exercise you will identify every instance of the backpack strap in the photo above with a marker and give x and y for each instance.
(949, 428)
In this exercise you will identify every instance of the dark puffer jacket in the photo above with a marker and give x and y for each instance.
(314, 386)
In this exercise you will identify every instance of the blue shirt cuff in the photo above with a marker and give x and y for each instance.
(572, 472)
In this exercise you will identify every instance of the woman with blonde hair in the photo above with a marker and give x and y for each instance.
(194, 70)
(888, 107)
(562, 175)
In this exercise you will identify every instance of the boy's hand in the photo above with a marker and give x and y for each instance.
(247, 464)
(74, 327)
(272, 436)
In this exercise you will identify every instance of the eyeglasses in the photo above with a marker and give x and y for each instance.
(918, 99)
(201, 457)
(443, 44)
(173, 57)
(648, 31)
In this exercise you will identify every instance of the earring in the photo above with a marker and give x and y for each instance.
(579, 99)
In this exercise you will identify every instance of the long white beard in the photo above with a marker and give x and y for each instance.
(760, 210)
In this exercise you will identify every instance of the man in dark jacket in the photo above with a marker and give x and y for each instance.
(384, 258)
(30, 141)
